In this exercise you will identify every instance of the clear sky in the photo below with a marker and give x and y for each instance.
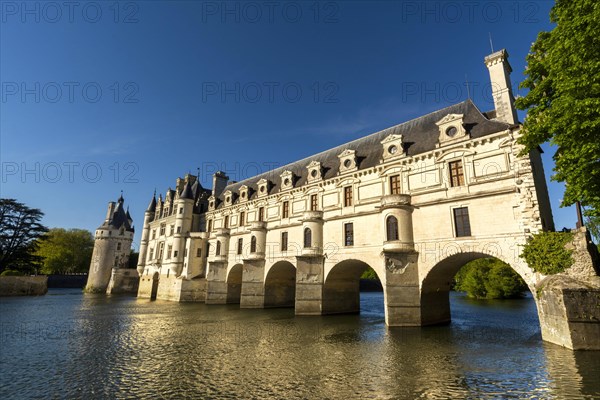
(104, 96)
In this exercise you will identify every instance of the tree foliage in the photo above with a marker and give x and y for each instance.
(133, 259)
(545, 252)
(20, 228)
(66, 251)
(489, 278)
(563, 102)
(369, 274)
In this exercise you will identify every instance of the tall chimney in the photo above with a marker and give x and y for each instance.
(219, 183)
(110, 211)
(504, 102)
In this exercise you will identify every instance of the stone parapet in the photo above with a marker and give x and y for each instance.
(395, 201)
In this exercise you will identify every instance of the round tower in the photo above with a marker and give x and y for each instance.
(148, 217)
(112, 246)
(184, 208)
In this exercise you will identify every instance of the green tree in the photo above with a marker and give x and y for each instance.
(66, 251)
(489, 278)
(545, 252)
(19, 230)
(563, 102)
(133, 259)
(369, 274)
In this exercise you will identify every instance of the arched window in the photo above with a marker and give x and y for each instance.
(218, 252)
(253, 244)
(392, 228)
(307, 237)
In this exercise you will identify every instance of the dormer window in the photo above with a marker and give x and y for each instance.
(228, 197)
(287, 180)
(263, 187)
(314, 171)
(451, 129)
(243, 193)
(211, 202)
(392, 147)
(347, 160)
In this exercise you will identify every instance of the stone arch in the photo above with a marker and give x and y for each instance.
(234, 284)
(280, 285)
(435, 286)
(341, 288)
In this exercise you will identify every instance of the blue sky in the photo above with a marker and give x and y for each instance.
(104, 96)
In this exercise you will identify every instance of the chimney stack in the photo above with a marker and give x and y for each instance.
(219, 183)
(110, 211)
(504, 102)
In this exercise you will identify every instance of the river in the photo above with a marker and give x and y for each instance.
(70, 345)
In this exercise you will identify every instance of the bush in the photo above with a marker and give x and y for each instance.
(11, 272)
(545, 252)
(489, 278)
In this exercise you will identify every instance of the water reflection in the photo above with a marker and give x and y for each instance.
(66, 345)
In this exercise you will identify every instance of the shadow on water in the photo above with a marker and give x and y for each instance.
(70, 345)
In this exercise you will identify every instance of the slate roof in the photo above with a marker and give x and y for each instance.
(119, 218)
(419, 136)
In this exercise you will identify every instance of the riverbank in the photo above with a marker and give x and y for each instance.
(23, 285)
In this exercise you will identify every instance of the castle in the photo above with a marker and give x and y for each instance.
(450, 185)
(414, 202)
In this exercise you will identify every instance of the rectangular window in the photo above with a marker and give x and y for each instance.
(284, 241)
(313, 202)
(175, 253)
(242, 218)
(457, 177)
(199, 252)
(240, 245)
(349, 234)
(161, 249)
(226, 223)
(347, 196)
(261, 214)
(461, 222)
(209, 226)
(178, 229)
(153, 233)
(395, 184)
(162, 229)
(285, 213)
(169, 251)
(151, 255)
(171, 230)
(181, 210)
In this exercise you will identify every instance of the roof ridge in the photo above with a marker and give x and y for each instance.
(316, 155)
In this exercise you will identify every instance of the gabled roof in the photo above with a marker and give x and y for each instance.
(419, 136)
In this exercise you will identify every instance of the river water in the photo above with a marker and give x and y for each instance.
(70, 345)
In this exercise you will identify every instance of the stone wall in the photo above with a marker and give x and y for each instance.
(569, 302)
(23, 285)
(123, 281)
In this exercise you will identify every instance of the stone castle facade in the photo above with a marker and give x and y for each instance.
(414, 202)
